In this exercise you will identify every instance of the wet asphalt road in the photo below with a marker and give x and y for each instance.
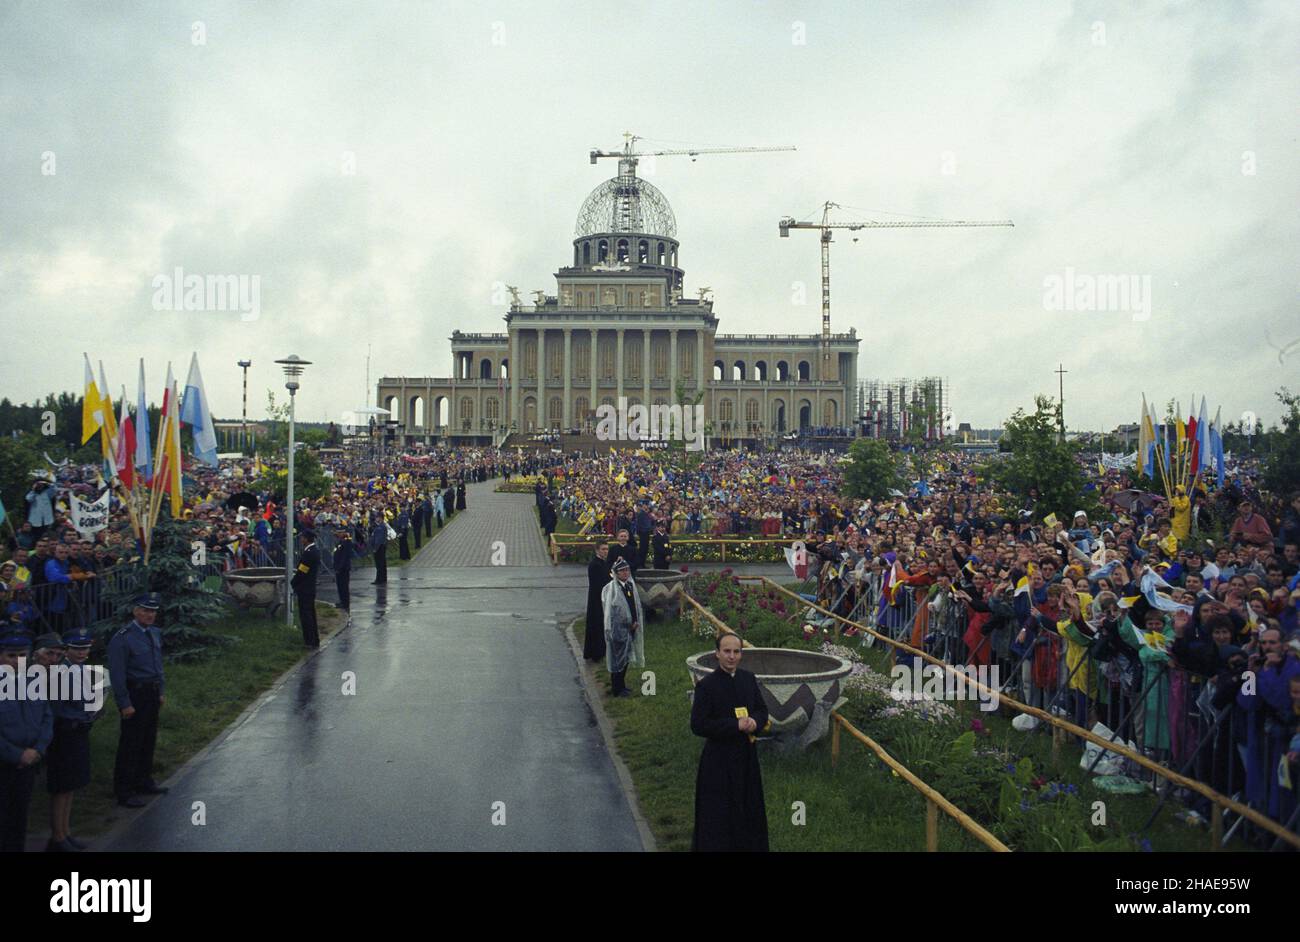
(467, 695)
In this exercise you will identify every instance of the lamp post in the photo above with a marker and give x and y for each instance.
(243, 431)
(293, 367)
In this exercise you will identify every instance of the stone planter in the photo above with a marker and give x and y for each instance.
(800, 689)
(261, 587)
(662, 589)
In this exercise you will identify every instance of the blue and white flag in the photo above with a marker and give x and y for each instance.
(197, 413)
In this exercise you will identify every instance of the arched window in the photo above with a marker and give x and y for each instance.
(751, 412)
(602, 250)
(586, 253)
(805, 371)
(555, 353)
(726, 410)
(622, 250)
(530, 358)
(441, 410)
(485, 369)
(659, 358)
(417, 412)
(738, 371)
(466, 409)
(505, 369)
(782, 371)
(580, 410)
(719, 368)
(632, 358)
(760, 371)
(686, 357)
(830, 413)
(660, 255)
(492, 409)
(394, 407)
(643, 252)
(555, 412)
(607, 359)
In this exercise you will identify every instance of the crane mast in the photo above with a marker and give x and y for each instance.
(825, 227)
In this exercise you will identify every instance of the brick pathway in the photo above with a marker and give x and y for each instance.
(472, 534)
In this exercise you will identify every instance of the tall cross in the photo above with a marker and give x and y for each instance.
(1060, 373)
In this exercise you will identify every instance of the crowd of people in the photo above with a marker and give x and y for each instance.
(1171, 622)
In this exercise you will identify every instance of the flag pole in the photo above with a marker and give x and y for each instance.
(155, 494)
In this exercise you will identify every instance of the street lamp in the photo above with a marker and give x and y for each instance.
(243, 431)
(293, 366)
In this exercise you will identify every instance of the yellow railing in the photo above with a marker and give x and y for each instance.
(1219, 801)
(562, 540)
(934, 802)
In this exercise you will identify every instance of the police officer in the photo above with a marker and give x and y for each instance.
(67, 764)
(26, 727)
(136, 673)
(662, 546)
(379, 545)
(304, 586)
(344, 551)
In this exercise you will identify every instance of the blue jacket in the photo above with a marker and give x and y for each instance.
(135, 655)
(24, 724)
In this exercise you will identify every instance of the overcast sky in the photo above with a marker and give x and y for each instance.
(1157, 141)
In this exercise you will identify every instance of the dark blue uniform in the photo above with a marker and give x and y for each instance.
(24, 724)
(136, 674)
(67, 765)
(343, 554)
(304, 586)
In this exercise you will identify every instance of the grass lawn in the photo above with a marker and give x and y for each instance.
(203, 698)
(861, 804)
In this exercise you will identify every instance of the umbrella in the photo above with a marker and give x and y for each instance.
(241, 499)
(1136, 501)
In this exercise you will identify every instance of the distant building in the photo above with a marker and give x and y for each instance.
(618, 326)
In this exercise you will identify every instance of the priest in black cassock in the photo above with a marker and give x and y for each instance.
(593, 645)
(728, 712)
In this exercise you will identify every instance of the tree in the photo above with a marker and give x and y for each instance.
(1039, 459)
(309, 479)
(19, 456)
(872, 471)
(1282, 467)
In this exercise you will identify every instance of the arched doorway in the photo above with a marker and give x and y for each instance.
(530, 415)
(805, 414)
(778, 416)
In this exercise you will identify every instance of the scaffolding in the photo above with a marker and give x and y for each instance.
(905, 409)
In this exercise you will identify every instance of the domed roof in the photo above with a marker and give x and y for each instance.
(626, 204)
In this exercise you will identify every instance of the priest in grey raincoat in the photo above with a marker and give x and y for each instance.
(624, 627)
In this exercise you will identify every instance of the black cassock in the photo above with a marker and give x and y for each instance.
(593, 645)
(729, 810)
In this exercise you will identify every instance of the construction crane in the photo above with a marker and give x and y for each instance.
(825, 227)
(627, 157)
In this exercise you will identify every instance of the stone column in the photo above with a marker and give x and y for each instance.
(516, 363)
(672, 367)
(645, 366)
(592, 361)
(618, 362)
(541, 378)
(699, 359)
(567, 367)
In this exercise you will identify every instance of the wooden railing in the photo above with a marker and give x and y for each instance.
(934, 802)
(1219, 801)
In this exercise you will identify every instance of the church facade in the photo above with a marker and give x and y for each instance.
(618, 327)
